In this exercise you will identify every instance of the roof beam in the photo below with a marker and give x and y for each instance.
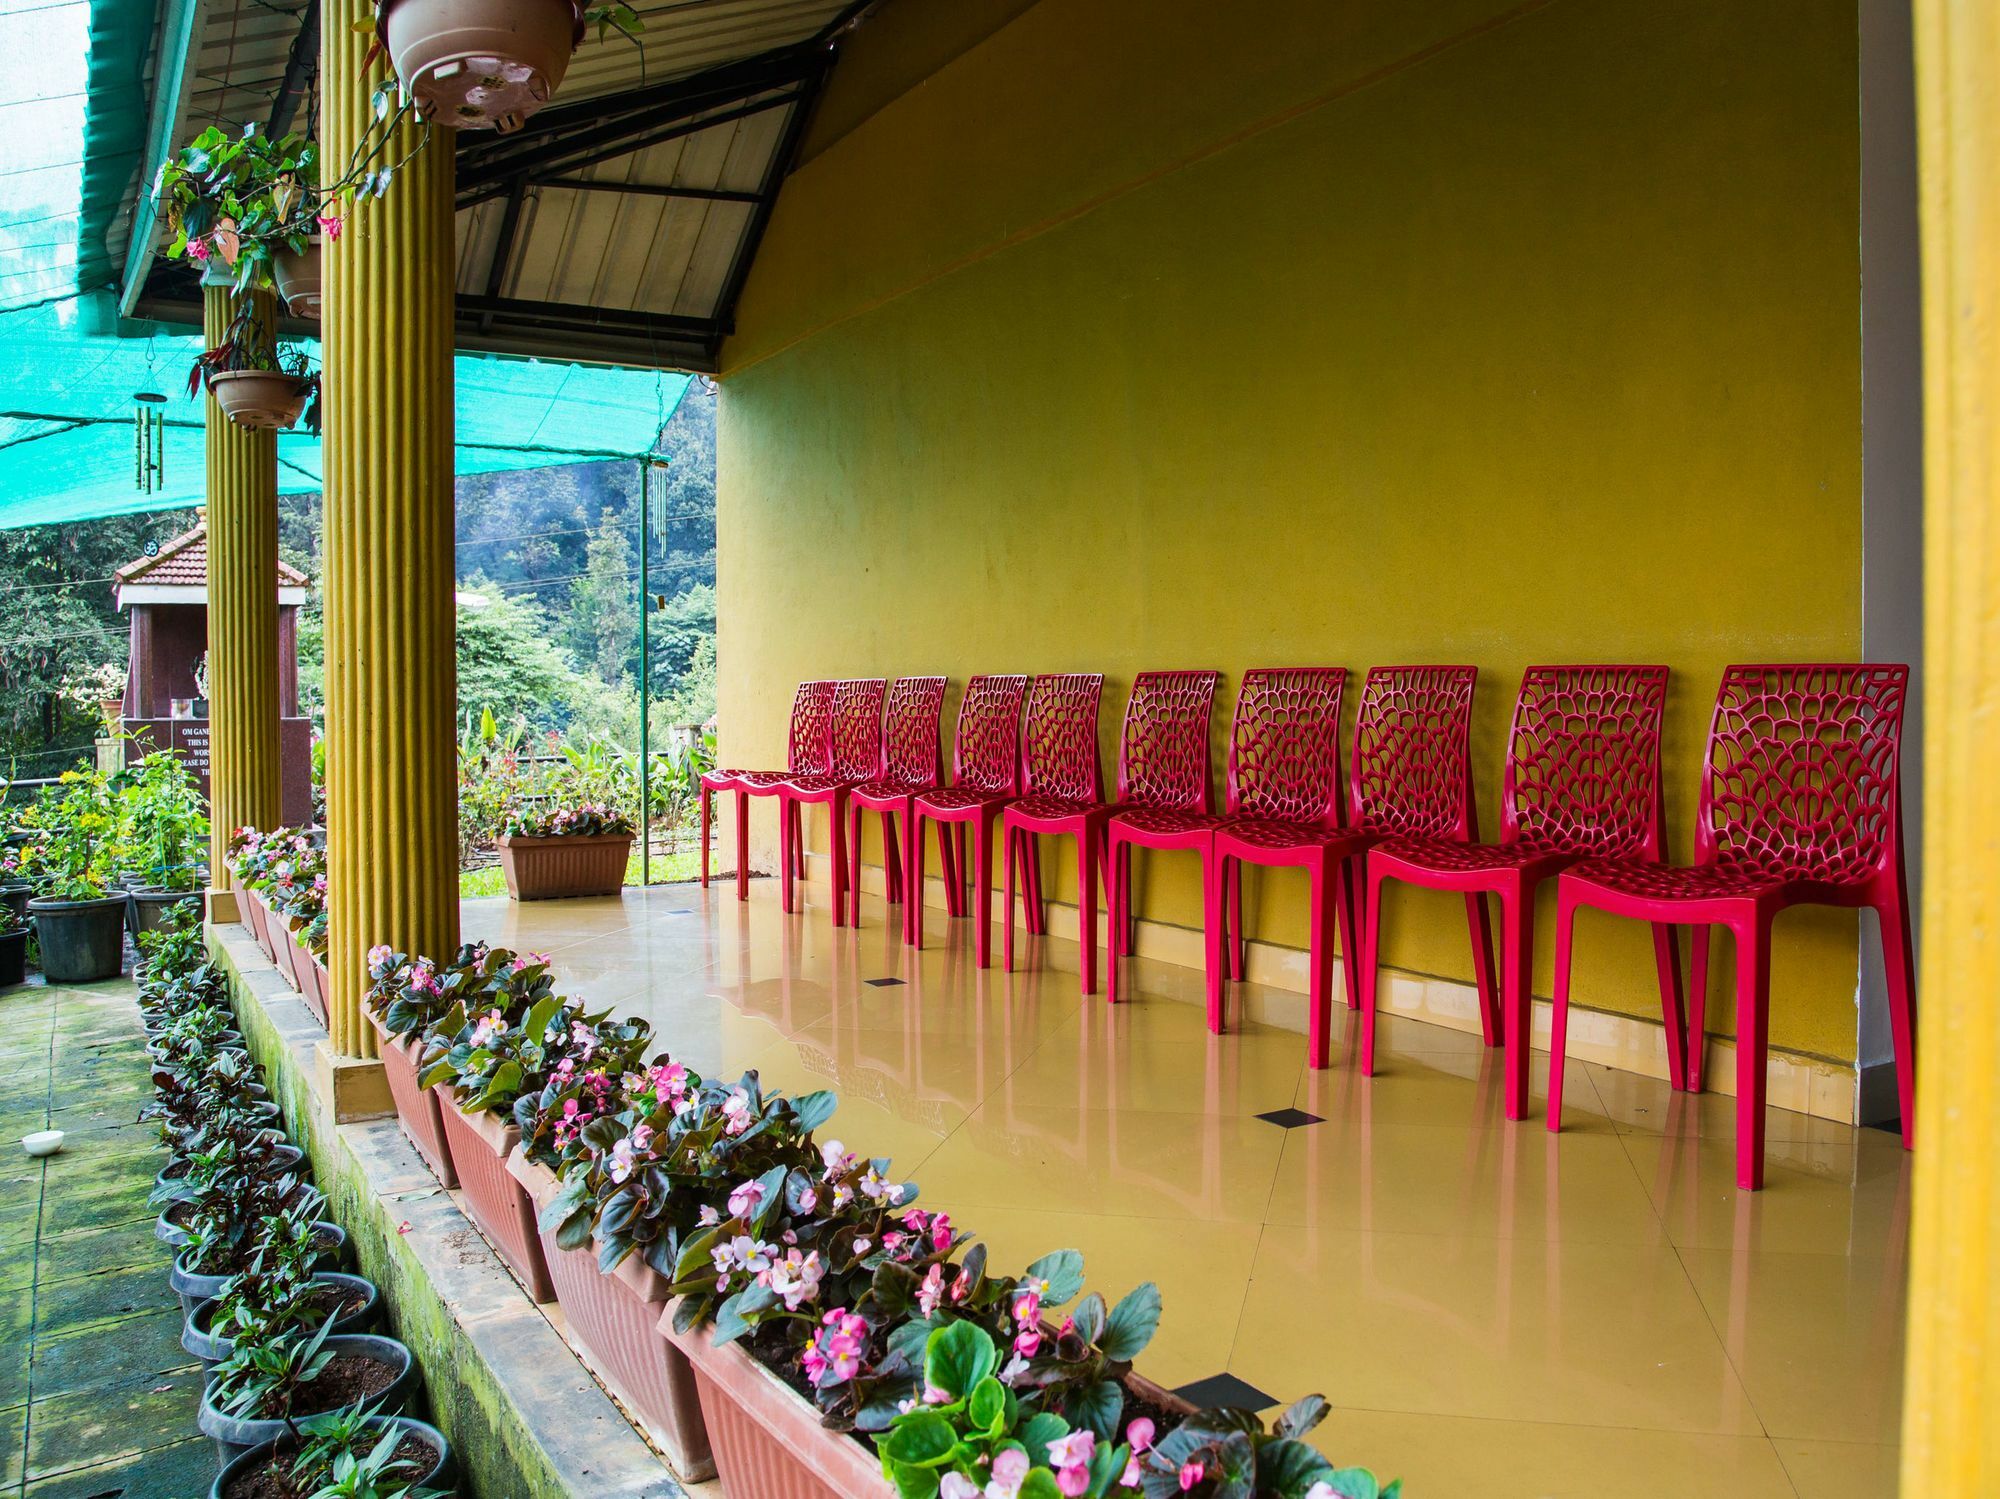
(173, 76)
(648, 189)
(581, 314)
(300, 65)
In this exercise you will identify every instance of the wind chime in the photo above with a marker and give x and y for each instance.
(149, 441)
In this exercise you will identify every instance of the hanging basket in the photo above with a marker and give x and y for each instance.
(259, 398)
(480, 64)
(298, 277)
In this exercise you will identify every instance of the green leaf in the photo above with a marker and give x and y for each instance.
(1132, 1324)
(1063, 1270)
(910, 1482)
(895, 1288)
(1359, 1483)
(1288, 1468)
(958, 1357)
(1097, 1406)
(773, 1183)
(987, 1408)
(1301, 1416)
(1089, 1318)
(1040, 1484)
(1042, 1428)
(923, 1438)
(813, 1110)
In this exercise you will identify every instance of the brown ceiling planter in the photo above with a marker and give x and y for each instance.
(259, 399)
(417, 1107)
(479, 64)
(480, 1144)
(558, 868)
(612, 1320)
(298, 277)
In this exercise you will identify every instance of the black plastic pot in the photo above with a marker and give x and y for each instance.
(194, 1288)
(16, 895)
(152, 907)
(83, 941)
(13, 958)
(233, 1435)
(443, 1476)
(211, 1349)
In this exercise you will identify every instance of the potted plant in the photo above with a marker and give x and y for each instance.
(264, 1390)
(225, 1237)
(482, 1066)
(549, 853)
(80, 923)
(15, 890)
(346, 1454)
(257, 382)
(165, 833)
(278, 1292)
(13, 948)
(487, 64)
(405, 999)
(99, 689)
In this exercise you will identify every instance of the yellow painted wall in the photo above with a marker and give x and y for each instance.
(1160, 333)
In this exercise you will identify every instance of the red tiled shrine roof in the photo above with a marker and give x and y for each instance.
(183, 563)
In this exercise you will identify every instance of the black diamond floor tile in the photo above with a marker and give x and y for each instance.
(1228, 1391)
(1290, 1118)
(882, 983)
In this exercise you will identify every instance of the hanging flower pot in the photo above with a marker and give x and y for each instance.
(479, 64)
(298, 276)
(260, 398)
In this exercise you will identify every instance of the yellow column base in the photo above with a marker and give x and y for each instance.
(221, 907)
(351, 1087)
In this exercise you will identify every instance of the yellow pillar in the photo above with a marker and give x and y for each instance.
(242, 613)
(391, 682)
(1951, 1412)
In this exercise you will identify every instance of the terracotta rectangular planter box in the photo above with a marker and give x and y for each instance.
(417, 1108)
(283, 949)
(314, 990)
(480, 1145)
(613, 1321)
(258, 919)
(767, 1440)
(554, 868)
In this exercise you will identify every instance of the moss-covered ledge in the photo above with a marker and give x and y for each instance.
(526, 1419)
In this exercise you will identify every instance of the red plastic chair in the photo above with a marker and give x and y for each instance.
(1164, 799)
(1582, 781)
(1801, 804)
(914, 762)
(857, 760)
(985, 776)
(1282, 800)
(1062, 794)
(809, 751)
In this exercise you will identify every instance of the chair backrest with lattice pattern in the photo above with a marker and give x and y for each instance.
(986, 746)
(1163, 750)
(1410, 771)
(1059, 745)
(1802, 779)
(911, 722)
(857, 728)
(1583, 761)
(1284, 745)
(809, 744)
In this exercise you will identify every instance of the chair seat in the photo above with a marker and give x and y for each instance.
(886, 793)
(957, 799)
(1442, 856)
(1049, 810)
(815, 785)
(1271, 835)
(760, 780)
(1158, 822)
(1683, 884)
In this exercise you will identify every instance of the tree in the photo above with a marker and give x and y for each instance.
(604, 625)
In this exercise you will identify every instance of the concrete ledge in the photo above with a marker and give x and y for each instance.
(525, 1418)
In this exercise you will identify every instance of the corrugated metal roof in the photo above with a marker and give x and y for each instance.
(619, 223)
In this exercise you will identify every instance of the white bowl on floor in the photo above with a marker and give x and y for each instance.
(42, 1142)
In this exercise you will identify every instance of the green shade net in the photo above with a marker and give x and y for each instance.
(68, 447)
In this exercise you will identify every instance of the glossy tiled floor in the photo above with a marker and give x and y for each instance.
(1491, 1312)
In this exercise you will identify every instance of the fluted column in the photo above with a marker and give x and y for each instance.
(1951, 1399)
(391, 682)
(243, 777)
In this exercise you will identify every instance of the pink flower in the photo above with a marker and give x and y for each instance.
(957, 1486)
(1131, 1478)
(1027, 1342)
(1192, 1473)
(329, 225)
(1140, 1434)
(1010, 1471)
(795, 1278)
(931, 1292)
(1071, 1457)
(834, 1355)
(744, 1200)
(736, 1112)
(197, 249)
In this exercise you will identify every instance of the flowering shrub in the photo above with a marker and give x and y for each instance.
(288, 869)
(510, 1049)
(587, 820)
(76, 832)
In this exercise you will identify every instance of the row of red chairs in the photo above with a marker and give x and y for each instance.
(1799, 804)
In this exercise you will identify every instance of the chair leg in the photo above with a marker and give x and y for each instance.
(1214, 933)
(851, 866)
(1345, 898)
(1900, 967)
(1517, 947)
(1371, 928)
(1319, 958)
(1667, 959)
(1086, 907)
(1113, 902)
(1013, 839)
(836, 837)
(913, 883)
(742, 845)
(947, 840)
(798, 840)
(1753, 997)
(786, 855)
(892, 857)
(1035, 913)
(1559, 1010)
(982, 875)
(1128, 936)
(1482, 967)
(1695, 1041)
(707, 799)
(1236, 924)
(960, 854)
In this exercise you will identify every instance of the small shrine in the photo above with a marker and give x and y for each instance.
(166, 696)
